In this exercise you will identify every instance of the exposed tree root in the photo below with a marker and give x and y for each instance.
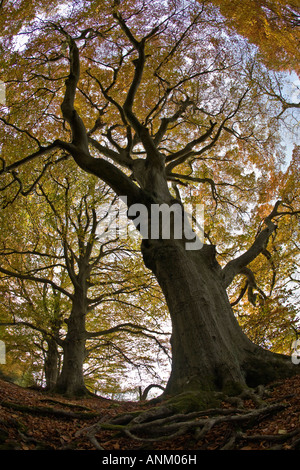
(276, 438)
(193, 420)
(48, 411)
(163, 423)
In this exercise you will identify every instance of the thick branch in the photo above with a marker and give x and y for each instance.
(79, 134)
(235, 266)
(106, 171)
(251, 286)
(119, 158)
(139, 63)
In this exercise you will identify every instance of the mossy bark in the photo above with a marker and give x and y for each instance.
(209, 349)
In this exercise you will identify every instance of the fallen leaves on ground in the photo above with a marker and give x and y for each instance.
(32, 420)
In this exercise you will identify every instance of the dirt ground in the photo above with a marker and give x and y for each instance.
(35, 420)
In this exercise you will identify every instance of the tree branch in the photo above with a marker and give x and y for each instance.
(166, 121)
(36, 279)
(152, 152)
(29, 158)
(121, 158)
(121, 327)
(79, 149)
(182, 155)
(34, 327)
(235, 266)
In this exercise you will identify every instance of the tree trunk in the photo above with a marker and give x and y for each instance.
(51, 367)
(71, 379)
(209, 349)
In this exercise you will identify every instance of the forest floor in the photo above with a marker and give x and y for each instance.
(35, 420)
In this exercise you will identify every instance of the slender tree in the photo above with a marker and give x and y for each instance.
(67, 273)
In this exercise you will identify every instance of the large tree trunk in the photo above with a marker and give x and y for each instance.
(209, 349)
(71, 379)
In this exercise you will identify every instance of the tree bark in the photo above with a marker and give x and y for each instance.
(71, 379)
(209, 349)
(51, 366)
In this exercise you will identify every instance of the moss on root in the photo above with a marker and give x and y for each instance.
(264, 370)
(231, 388)
(190, 401)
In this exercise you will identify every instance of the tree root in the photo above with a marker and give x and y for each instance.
(279, 438)
(66, 404)
(48, 411)
(162, 423)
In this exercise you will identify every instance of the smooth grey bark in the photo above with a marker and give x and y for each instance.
(205, 340)
(209, 349)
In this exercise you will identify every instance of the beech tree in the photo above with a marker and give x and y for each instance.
(156, 100)
(65, 271)
(31, 320)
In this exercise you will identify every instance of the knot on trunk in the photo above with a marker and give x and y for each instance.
(159, 250)
(209, 252)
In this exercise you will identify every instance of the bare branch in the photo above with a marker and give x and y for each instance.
(36, 279)
(139, 63)
(121, 327)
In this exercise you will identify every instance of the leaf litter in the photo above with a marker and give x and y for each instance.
(36, 420)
